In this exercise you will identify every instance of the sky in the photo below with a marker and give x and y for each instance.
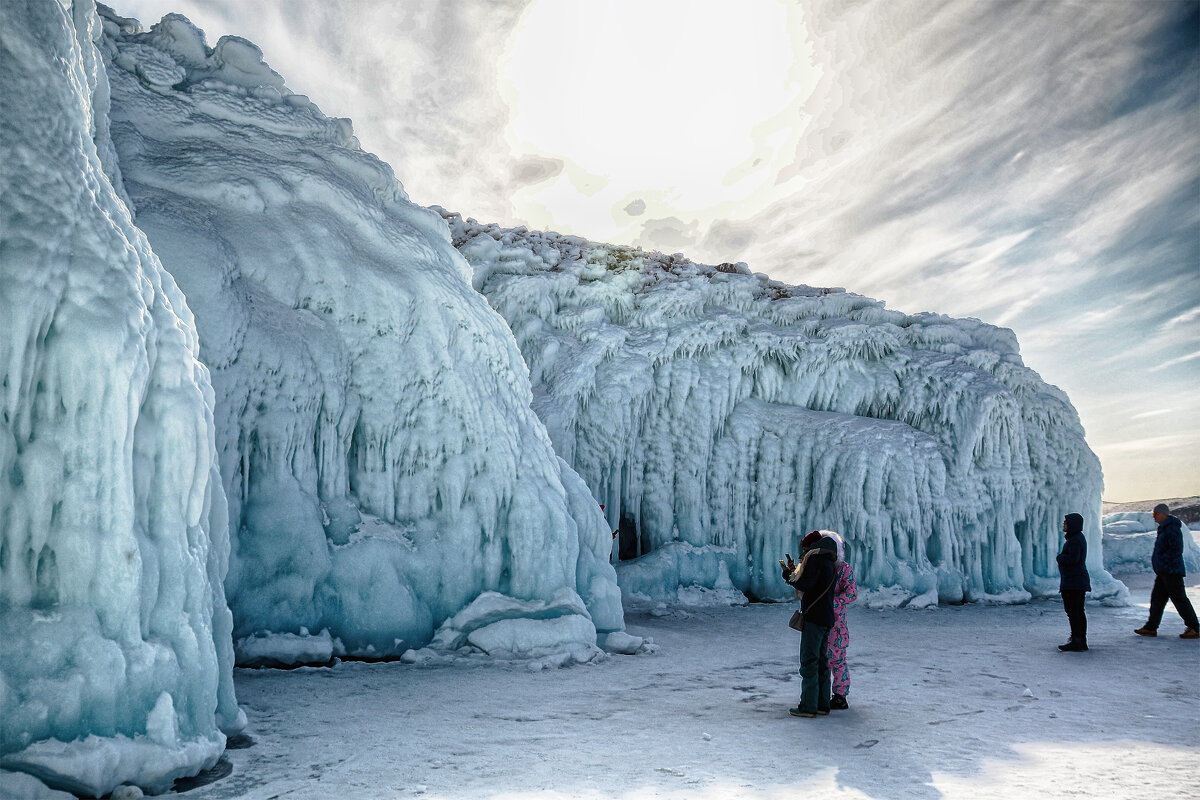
(1030, 163)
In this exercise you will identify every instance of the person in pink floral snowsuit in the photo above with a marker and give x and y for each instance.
(845, 592)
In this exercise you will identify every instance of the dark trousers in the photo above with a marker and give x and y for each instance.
(814, 668)
(1073, 605)
(1170, 587)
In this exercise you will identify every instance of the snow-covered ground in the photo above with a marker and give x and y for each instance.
(954, 702)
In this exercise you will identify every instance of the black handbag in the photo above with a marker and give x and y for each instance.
(796, 623)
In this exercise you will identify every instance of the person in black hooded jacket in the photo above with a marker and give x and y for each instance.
(813, 579)
(1073, 581)
(1169, 572)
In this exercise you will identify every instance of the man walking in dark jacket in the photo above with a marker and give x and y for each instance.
(813, 580)
(1168, 577)
(1073, 581)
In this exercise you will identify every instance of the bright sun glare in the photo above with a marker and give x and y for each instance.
(648, 96)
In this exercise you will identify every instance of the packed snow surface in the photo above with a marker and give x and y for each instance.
(382, 464)
(990, 711)
(116, 659)
(717, 409)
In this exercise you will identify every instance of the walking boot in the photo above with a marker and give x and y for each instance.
(1190, 633)
(838, 702)
(1144, 631)
(1074, 646)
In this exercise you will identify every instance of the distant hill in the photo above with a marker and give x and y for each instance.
(1186, 508)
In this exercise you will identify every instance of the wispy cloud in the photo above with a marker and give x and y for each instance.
(1158, 412)
(1159, 444)
(1174, 362)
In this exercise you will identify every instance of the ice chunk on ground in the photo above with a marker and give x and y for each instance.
(622, 642)
(266, 649)
(95, 766)
(557, 631)
(573, 635)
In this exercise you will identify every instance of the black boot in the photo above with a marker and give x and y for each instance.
(1074, 646)
(838, 702)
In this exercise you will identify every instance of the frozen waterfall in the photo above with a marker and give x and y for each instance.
(720, 415)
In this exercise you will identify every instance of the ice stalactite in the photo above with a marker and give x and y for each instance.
(374, 431)
(720, 415)
(116, 664)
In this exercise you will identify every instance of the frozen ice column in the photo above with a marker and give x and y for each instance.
(116, 664)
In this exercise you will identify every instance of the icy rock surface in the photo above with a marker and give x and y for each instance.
(1129, 538)
(382, 463)
(719, 415)
(115, 652)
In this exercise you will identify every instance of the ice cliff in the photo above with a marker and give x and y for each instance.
(719, 415)
(333, 430)
(382, 464)
(116, 659)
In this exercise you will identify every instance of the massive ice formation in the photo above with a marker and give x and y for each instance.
(718, 414)
(382, 463)
(115, 651)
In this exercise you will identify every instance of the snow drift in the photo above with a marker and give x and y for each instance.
(116, 664)
(719, 415)
(382, 464)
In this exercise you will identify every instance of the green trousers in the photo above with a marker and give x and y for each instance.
(814, 668)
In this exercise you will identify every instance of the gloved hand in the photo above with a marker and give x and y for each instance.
(788, 567)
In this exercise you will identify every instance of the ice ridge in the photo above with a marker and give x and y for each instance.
(719, 415)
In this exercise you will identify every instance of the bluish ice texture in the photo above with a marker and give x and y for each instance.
(382, 464)
(116, 664)
(714, 408)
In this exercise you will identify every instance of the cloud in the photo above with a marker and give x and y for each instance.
(1031, 164)
(1158, 444)
(1158, 412)
(535, 169)
(728, 240)
(1174, 362)
(668, 235)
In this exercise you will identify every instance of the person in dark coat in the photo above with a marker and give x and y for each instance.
(1168, 576)
(813, 579)
(1074, 582)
